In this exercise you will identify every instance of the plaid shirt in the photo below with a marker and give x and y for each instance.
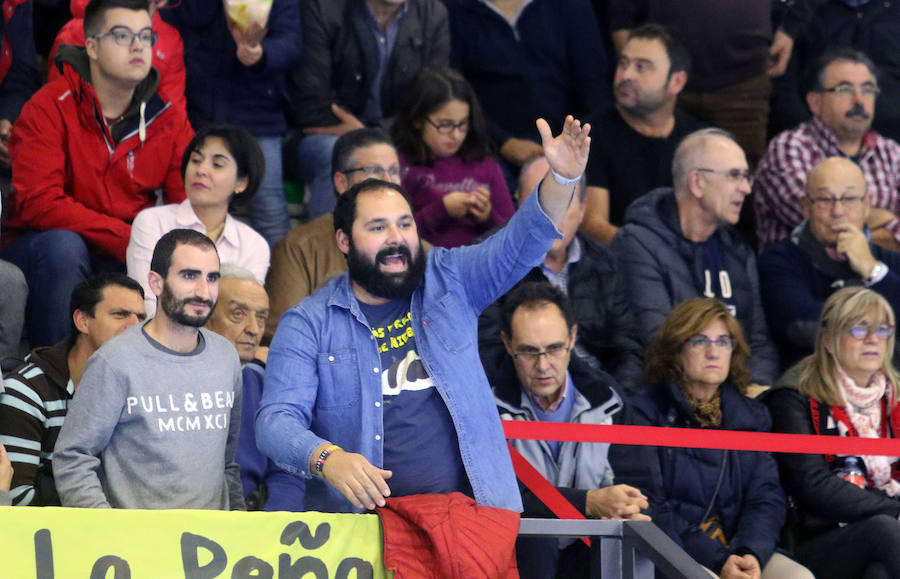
(780, 182)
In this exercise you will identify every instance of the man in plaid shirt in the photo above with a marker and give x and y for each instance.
(842, 101)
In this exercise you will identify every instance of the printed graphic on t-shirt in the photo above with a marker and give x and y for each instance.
(420, 443)
(184, 413)
(716, 280)
(467, 184)
(403, 369)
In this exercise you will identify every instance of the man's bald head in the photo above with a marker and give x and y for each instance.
(835, 196)
(835, 169)
(693, 151)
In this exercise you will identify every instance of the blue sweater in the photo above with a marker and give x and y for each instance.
(284, 491)
(23, 77)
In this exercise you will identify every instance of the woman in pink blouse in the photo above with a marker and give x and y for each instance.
(222, 168)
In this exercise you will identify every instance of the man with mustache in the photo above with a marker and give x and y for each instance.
(641, 133)
(374, 387)
(154, 423)
(307, 257)
(842, 101)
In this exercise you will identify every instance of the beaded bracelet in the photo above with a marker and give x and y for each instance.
(320, 462)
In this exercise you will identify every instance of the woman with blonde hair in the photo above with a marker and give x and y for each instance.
(724, 507)
(848, 506)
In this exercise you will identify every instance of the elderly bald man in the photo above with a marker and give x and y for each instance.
(831, 249)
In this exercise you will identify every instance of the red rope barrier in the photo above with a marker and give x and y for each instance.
(701, 438)
(543, 490)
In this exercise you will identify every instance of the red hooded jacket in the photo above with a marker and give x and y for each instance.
(72, 171)
(168, 54)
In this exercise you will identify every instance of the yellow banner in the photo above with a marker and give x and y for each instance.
(56, 543)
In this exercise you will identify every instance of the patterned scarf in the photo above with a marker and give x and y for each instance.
(863, 407)
(708, 413)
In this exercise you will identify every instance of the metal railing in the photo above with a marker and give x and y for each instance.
(626, 549)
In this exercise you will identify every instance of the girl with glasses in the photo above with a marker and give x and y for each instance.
(455, 184)
(847, 507)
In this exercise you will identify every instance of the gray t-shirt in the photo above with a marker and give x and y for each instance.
(151, 428)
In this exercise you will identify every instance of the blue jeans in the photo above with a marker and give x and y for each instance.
(54, 263)
(314, 161)
(268, 208)
(13, 295)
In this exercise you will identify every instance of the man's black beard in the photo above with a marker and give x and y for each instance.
(176, 310)
(390, 286)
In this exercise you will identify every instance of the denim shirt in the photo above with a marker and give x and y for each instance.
(323, 376)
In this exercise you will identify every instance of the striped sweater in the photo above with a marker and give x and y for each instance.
(32, 409)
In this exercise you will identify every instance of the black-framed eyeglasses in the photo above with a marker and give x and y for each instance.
(447, 127)
(849, 201)
(733, 175)
(863, 331)
(702, 342)
(553, 352)
(124, 36)
(392, 173)
(850, 90)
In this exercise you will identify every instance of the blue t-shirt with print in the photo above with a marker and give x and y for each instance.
(420, 443)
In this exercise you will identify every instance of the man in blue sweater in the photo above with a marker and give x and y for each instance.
(241, 316)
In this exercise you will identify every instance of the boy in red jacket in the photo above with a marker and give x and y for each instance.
(89, 151)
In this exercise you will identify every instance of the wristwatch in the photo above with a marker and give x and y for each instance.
(877, 274)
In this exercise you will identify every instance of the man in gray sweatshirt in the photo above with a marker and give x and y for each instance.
(155, 421)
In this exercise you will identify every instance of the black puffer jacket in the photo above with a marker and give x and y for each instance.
(680, 482)
(824, 500)
(663, 268)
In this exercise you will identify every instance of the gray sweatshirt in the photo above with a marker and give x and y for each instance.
(150, 428)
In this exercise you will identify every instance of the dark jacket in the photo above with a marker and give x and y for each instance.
(339, 57)
(824, 500)
(551, 64)
(799, 276)
(221, 89)
(606, 326)
(680, 482)
(662, 268)
(19, 74)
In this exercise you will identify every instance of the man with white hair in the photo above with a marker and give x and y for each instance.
(679, 244)
(241, 317)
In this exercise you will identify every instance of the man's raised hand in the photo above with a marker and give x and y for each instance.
(567, 153)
